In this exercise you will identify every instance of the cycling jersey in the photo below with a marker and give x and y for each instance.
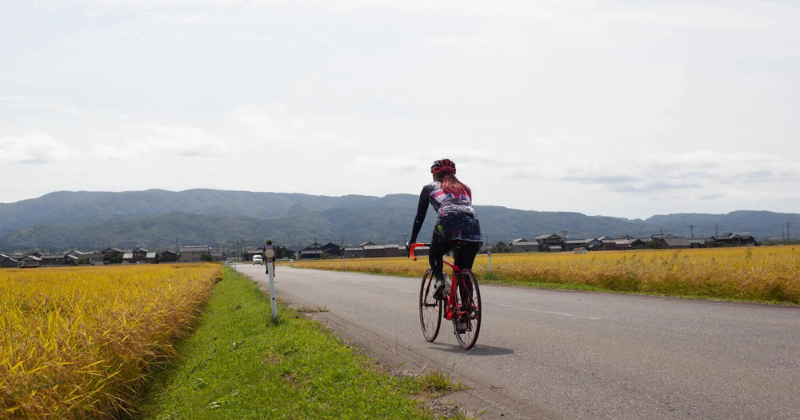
(457, 220)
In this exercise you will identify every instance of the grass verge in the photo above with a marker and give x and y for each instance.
(240, 364)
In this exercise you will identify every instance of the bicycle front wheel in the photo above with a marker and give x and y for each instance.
(430, 317)
(467, 317)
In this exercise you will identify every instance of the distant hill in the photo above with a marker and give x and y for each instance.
(154, 218)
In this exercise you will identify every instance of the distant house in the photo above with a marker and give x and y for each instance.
(112, 254)
(623, 244)
(734, 239)
(8, 262)
(219, 255)
(139, 254)
(93, 258)
(672, 242)
(193, 253)
(169, 256)
(523, 245)
(381, 251)
(332, 249)
(549, 240)
(311, 252)
(368, 243)
(588, 244)
(127, 258)
(30, 261)
(51, 260)
(701, 242)
(151, 258)
(354, 252)
(609, 244)
(54, 260)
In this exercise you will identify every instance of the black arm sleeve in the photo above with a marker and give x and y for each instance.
(422, 209)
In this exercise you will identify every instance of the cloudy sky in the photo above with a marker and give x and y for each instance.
(621, 108)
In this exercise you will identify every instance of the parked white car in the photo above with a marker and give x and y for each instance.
(258, 260)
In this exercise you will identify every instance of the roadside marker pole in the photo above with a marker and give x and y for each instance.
(272, 300)
(234, 270)
(490, 260)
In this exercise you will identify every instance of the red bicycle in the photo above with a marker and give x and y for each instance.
(462, 305)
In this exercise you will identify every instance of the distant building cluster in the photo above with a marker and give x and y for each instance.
(363, 250)
(111, 255)
(552, 242)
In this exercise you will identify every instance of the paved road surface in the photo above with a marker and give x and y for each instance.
(579, 355)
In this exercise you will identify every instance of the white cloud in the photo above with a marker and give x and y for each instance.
(153, 139)
(274, 125)
(390, 163)
(33, 146)
(654, 174)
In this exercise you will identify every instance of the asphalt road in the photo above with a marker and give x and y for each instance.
(579, 355)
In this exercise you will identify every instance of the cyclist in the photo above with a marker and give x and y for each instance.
(457, 221)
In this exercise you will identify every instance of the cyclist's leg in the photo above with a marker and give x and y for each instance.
(437, 251)
(465, 254)
(465, 257)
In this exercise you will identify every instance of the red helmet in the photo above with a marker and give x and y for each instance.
(443, 166)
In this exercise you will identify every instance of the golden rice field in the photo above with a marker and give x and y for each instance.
(759, 274)
(78, 342)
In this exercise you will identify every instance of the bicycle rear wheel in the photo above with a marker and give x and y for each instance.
(467, 324)
(430, 317)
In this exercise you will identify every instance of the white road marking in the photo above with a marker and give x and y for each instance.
(551, 313)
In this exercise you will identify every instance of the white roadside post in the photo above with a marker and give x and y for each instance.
(489, 252)
(269, 253)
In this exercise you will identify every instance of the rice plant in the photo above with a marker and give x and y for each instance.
(758, 274)
(79, 342)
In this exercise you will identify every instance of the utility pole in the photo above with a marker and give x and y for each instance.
(564, 240)
(691, 227)
(788, 233)
(176, 246)
(716, 230)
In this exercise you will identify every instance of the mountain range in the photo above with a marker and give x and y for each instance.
(155, 218)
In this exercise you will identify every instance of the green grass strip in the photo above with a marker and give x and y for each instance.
(240, 365)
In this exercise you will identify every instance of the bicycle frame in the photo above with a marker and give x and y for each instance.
(449, 313)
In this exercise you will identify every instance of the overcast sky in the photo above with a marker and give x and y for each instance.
(620, 108)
